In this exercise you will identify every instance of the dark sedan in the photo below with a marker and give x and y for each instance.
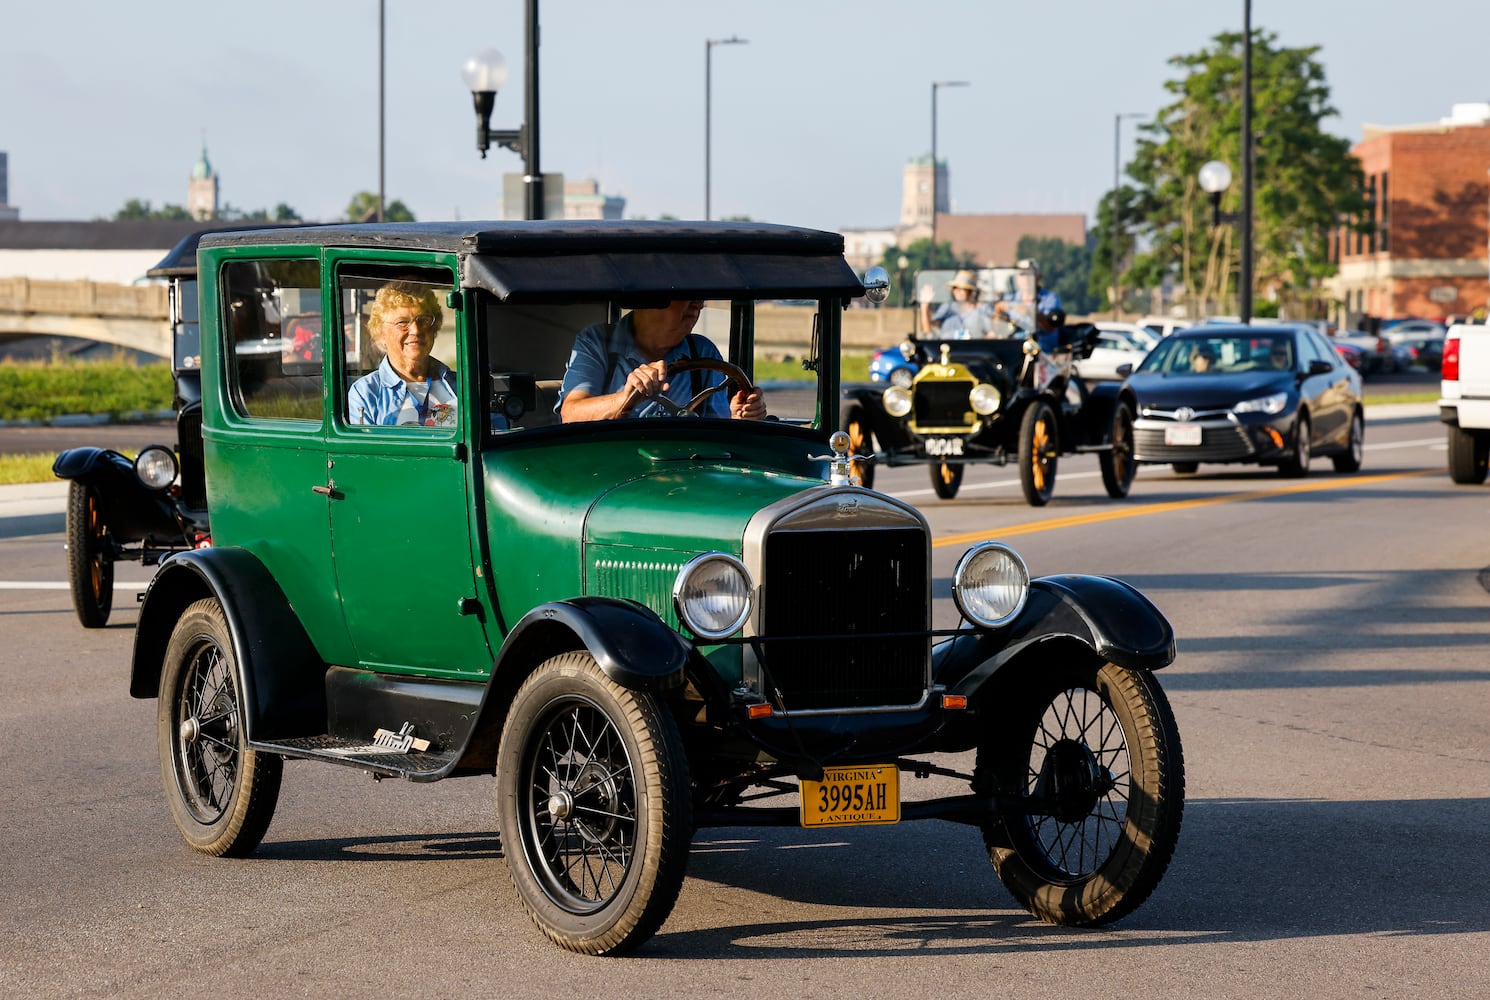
(1265, 395)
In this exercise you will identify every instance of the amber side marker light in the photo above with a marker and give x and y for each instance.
(1277, 438)
(761, 711)
(954, 701)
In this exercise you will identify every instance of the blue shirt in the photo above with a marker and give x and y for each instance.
(1019, 315)
(604, 355)
(964, 320)
(381, 395)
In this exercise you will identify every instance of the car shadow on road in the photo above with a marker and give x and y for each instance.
(1247, 870)
(471, 846)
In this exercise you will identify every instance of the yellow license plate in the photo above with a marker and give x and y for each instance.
(849, 796)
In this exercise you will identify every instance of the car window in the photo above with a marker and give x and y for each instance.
(1325, 351)
(272, 319)
(398, 336)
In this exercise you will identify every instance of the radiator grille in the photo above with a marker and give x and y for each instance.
(940, 403)
(817, 585)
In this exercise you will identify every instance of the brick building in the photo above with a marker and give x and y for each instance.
(1428, 253)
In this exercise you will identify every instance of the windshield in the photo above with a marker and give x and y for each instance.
(1222, 353)
(558, 364)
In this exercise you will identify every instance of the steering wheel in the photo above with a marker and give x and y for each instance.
(731, 373)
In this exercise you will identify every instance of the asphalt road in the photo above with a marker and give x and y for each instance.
(1330, 690)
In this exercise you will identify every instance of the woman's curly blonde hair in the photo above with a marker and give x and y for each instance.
(403, 295)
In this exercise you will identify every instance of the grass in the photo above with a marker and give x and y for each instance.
(855, 368)
(42, 390)
(26, 469)
(1404, 397)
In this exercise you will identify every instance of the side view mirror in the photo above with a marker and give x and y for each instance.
(876, 284)
(1317, 367)
(1125, 369)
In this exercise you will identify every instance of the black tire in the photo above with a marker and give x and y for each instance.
(1118, 467)
(222, 794)
(1100, 742)
(946, 479)
(90, 557)
(1354, 454)
(1184, 468)
(1296, 465)
(1469, 456)
(1039, 452)
(593, 805)
(860, 442)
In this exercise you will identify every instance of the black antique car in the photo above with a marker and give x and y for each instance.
(993, 400)
(145, 509)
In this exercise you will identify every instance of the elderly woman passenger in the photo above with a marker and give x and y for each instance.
(409, 387)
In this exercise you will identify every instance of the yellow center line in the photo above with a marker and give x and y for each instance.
(1116, 513)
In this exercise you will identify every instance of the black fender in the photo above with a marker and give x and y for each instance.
(281, 676)
(131, 511)
(1110, 617)
(634, 647)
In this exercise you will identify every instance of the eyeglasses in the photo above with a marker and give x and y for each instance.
(425, 323)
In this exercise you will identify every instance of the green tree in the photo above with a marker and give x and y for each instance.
(1099, 280)
(918, 257)
(364, 208)
(1065, 268)
(1306, 181)
(135, 209)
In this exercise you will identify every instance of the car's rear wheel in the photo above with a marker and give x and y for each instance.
(90, 558)
(1469, 456)
(1088, 759)
(945, 479)
(860, 442)
(1296, 465)
(221, 794)
(1039, 448)
(1118, 467)
(593, 806)
(1350, 459)
(1184, 468)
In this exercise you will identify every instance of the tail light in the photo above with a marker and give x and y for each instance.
(1450, 371)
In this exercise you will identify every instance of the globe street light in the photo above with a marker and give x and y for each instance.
(1215, 178)
(1116, 229)
(901, 264)
(485, 73)
(708, 100)
(935, 86)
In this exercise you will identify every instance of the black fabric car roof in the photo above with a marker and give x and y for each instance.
(514, 260)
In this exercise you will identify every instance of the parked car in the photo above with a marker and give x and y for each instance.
(1352, 354)
(1118, 344)
(1424, 351)
(992, 400)
(1411, 329)
(156, 504)
(1163, 326)
(1376, 356)
(641, 626)
(1267, 395)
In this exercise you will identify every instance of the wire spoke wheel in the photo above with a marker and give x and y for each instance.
(1089, 763)
(90, 557)
(1039, 448)
(221, 793)
(1118, 467)
(593, 805)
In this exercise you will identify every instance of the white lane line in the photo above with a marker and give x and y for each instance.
(53, 585)
(997, 484)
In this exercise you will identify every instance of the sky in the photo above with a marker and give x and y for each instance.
(814, 118)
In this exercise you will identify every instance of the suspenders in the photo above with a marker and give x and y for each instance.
(613, 360)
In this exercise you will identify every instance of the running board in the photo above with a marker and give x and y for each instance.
(366, 755)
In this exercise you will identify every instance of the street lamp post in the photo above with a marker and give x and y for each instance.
(901, 264)
(1245, 303)
(1115, 234)
(1215, 178)
(708, 103)
(935, 86)
(381, 62)
(485, 73)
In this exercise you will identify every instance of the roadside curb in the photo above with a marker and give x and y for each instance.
(95, 419)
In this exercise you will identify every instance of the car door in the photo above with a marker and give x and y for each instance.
(1330, 394)
(401, 494)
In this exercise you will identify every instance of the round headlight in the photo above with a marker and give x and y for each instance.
(984, 399)
(712, 595)
(156, 466)
(897, 401)
(990, 584)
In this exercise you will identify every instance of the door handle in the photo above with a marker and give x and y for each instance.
(329, 491)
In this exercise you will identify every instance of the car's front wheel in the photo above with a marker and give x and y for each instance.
(1469, 456)
(1088, 762)
(860, 442)
(1296, 465)
(221, 794)
(593, 806)
(1118, 467)
(1039, 448)
(946, 478)
(90, 559)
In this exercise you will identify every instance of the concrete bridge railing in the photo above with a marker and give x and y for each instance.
(132, 316)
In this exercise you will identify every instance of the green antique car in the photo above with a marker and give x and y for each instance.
(641, 626)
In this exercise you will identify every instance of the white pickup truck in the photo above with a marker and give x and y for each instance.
(1465, 402)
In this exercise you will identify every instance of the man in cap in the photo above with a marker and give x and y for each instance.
(964, 317)
(1030, 299)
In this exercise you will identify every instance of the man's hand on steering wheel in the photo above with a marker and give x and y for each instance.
(748, 403)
